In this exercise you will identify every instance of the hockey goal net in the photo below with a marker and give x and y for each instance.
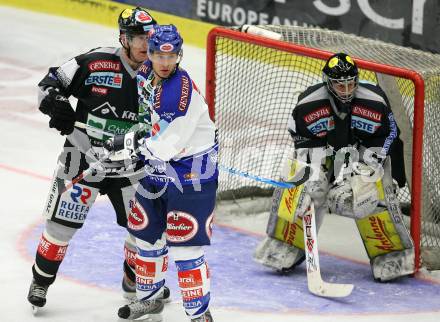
(253, 83)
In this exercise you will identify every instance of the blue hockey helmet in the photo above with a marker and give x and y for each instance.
(165, 38)
(135, 21)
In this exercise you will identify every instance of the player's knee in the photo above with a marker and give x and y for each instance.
(158, 244)
(181, 253)
(59, 231)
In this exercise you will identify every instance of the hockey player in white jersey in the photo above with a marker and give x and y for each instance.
(173, 207)
(104, 82)
(344, 130)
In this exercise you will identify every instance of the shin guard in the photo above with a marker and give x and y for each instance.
(194, 279)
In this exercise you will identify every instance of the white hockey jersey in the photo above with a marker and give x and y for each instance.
(182, 143)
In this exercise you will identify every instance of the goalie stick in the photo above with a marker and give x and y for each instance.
(314, 280)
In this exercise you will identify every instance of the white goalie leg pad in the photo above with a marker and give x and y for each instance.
(277, 254)
(398, 263)
(393, 265)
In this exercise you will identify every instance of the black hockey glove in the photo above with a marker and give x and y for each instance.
(62, 115)
(123, 146)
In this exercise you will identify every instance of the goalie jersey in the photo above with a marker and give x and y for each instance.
(320, 121)
(182, 143)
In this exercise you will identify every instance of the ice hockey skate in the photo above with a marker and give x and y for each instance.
(206, 317)
(145, 310)
(129, 290)
(37, 296)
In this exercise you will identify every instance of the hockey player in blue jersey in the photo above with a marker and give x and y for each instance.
(174, 203)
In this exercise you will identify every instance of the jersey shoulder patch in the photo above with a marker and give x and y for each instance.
(176, 93)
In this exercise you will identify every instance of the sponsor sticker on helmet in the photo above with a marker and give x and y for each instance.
(143, 17)
(137, 217)
(181, 226)
(167, 47)
(333, 62)
(126, 13)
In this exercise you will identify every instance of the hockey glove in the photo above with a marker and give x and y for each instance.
(123, 147)
(61, 112)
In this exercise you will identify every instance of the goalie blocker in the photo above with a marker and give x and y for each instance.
(372, 203)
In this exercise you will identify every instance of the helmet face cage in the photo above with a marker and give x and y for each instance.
(135, 22)
(340, 73)
(165, 39)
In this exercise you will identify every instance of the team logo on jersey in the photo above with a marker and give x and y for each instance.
(181, 226)
(99, 90)
(184, 94)
(74, 205)
(367, 113)
(83, 194)
(105, 79)
(208, 225)
(137, 217)
(364, 124)
(143, 17)
(157, 95)
(106, 108)
(100, 65)
(322, 112)
(321, 126)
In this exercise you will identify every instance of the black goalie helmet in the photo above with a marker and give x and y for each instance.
(341, 75)
(135, 21)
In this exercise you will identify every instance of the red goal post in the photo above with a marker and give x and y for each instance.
(229, 49)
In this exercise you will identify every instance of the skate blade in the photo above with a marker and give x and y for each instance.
(129, 296)
(35, 309)
(146, 318)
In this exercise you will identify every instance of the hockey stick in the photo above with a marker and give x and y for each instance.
(87, 127)
(314, 280)
(84, 174)
(278, 184)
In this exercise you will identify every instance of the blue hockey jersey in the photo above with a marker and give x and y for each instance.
(181, 146)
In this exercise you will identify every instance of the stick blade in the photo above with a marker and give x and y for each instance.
(325, 289)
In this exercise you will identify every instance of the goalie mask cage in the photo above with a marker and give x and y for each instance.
(253, 83)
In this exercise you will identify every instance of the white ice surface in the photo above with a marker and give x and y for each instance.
(30, 43)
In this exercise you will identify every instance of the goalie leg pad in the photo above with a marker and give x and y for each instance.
(277, 254)
(393, 265)
(283, 248)
(388, 242)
